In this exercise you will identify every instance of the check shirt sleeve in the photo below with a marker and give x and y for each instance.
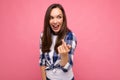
(42, 61)
(71, 40)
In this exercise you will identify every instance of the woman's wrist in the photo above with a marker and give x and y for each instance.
(64, 60)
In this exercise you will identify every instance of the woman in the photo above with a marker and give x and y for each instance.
(57, 45)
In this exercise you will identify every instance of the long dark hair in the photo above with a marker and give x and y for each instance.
(47, 37)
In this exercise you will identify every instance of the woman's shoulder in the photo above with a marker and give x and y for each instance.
(71, 39)
(70, 35)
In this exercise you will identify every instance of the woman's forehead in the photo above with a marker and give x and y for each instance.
(56, 11)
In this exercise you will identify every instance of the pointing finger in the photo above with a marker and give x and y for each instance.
(63, 42)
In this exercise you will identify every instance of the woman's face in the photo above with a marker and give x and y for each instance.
(56, 19)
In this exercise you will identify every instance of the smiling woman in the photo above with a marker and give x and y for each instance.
(56, 19)
(57, 45)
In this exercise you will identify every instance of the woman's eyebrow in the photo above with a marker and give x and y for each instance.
(56, 15)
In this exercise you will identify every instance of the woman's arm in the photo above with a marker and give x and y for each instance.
(63, 50)
(43, 73)
(64, 59)
(66, 51)
(42, 61)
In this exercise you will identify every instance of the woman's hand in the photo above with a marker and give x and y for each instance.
(63, 50)
(43, 72)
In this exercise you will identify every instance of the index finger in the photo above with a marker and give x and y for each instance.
(63, 42)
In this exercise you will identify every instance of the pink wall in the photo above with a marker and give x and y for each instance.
(96, 24)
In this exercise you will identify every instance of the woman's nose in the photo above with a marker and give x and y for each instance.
(55, 21)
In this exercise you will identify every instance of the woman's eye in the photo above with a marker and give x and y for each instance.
(59, 17)
(51, 17)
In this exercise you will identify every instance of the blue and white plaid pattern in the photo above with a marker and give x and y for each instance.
(45, 58)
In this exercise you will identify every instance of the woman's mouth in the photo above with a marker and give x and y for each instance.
(55, 27)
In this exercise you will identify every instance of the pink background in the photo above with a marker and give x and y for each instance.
(96, 24)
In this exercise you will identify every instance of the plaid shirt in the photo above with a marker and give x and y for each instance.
(45, 58)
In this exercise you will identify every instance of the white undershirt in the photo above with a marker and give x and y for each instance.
(54, 37)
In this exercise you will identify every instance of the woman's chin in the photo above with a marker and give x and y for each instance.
(55, 32)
